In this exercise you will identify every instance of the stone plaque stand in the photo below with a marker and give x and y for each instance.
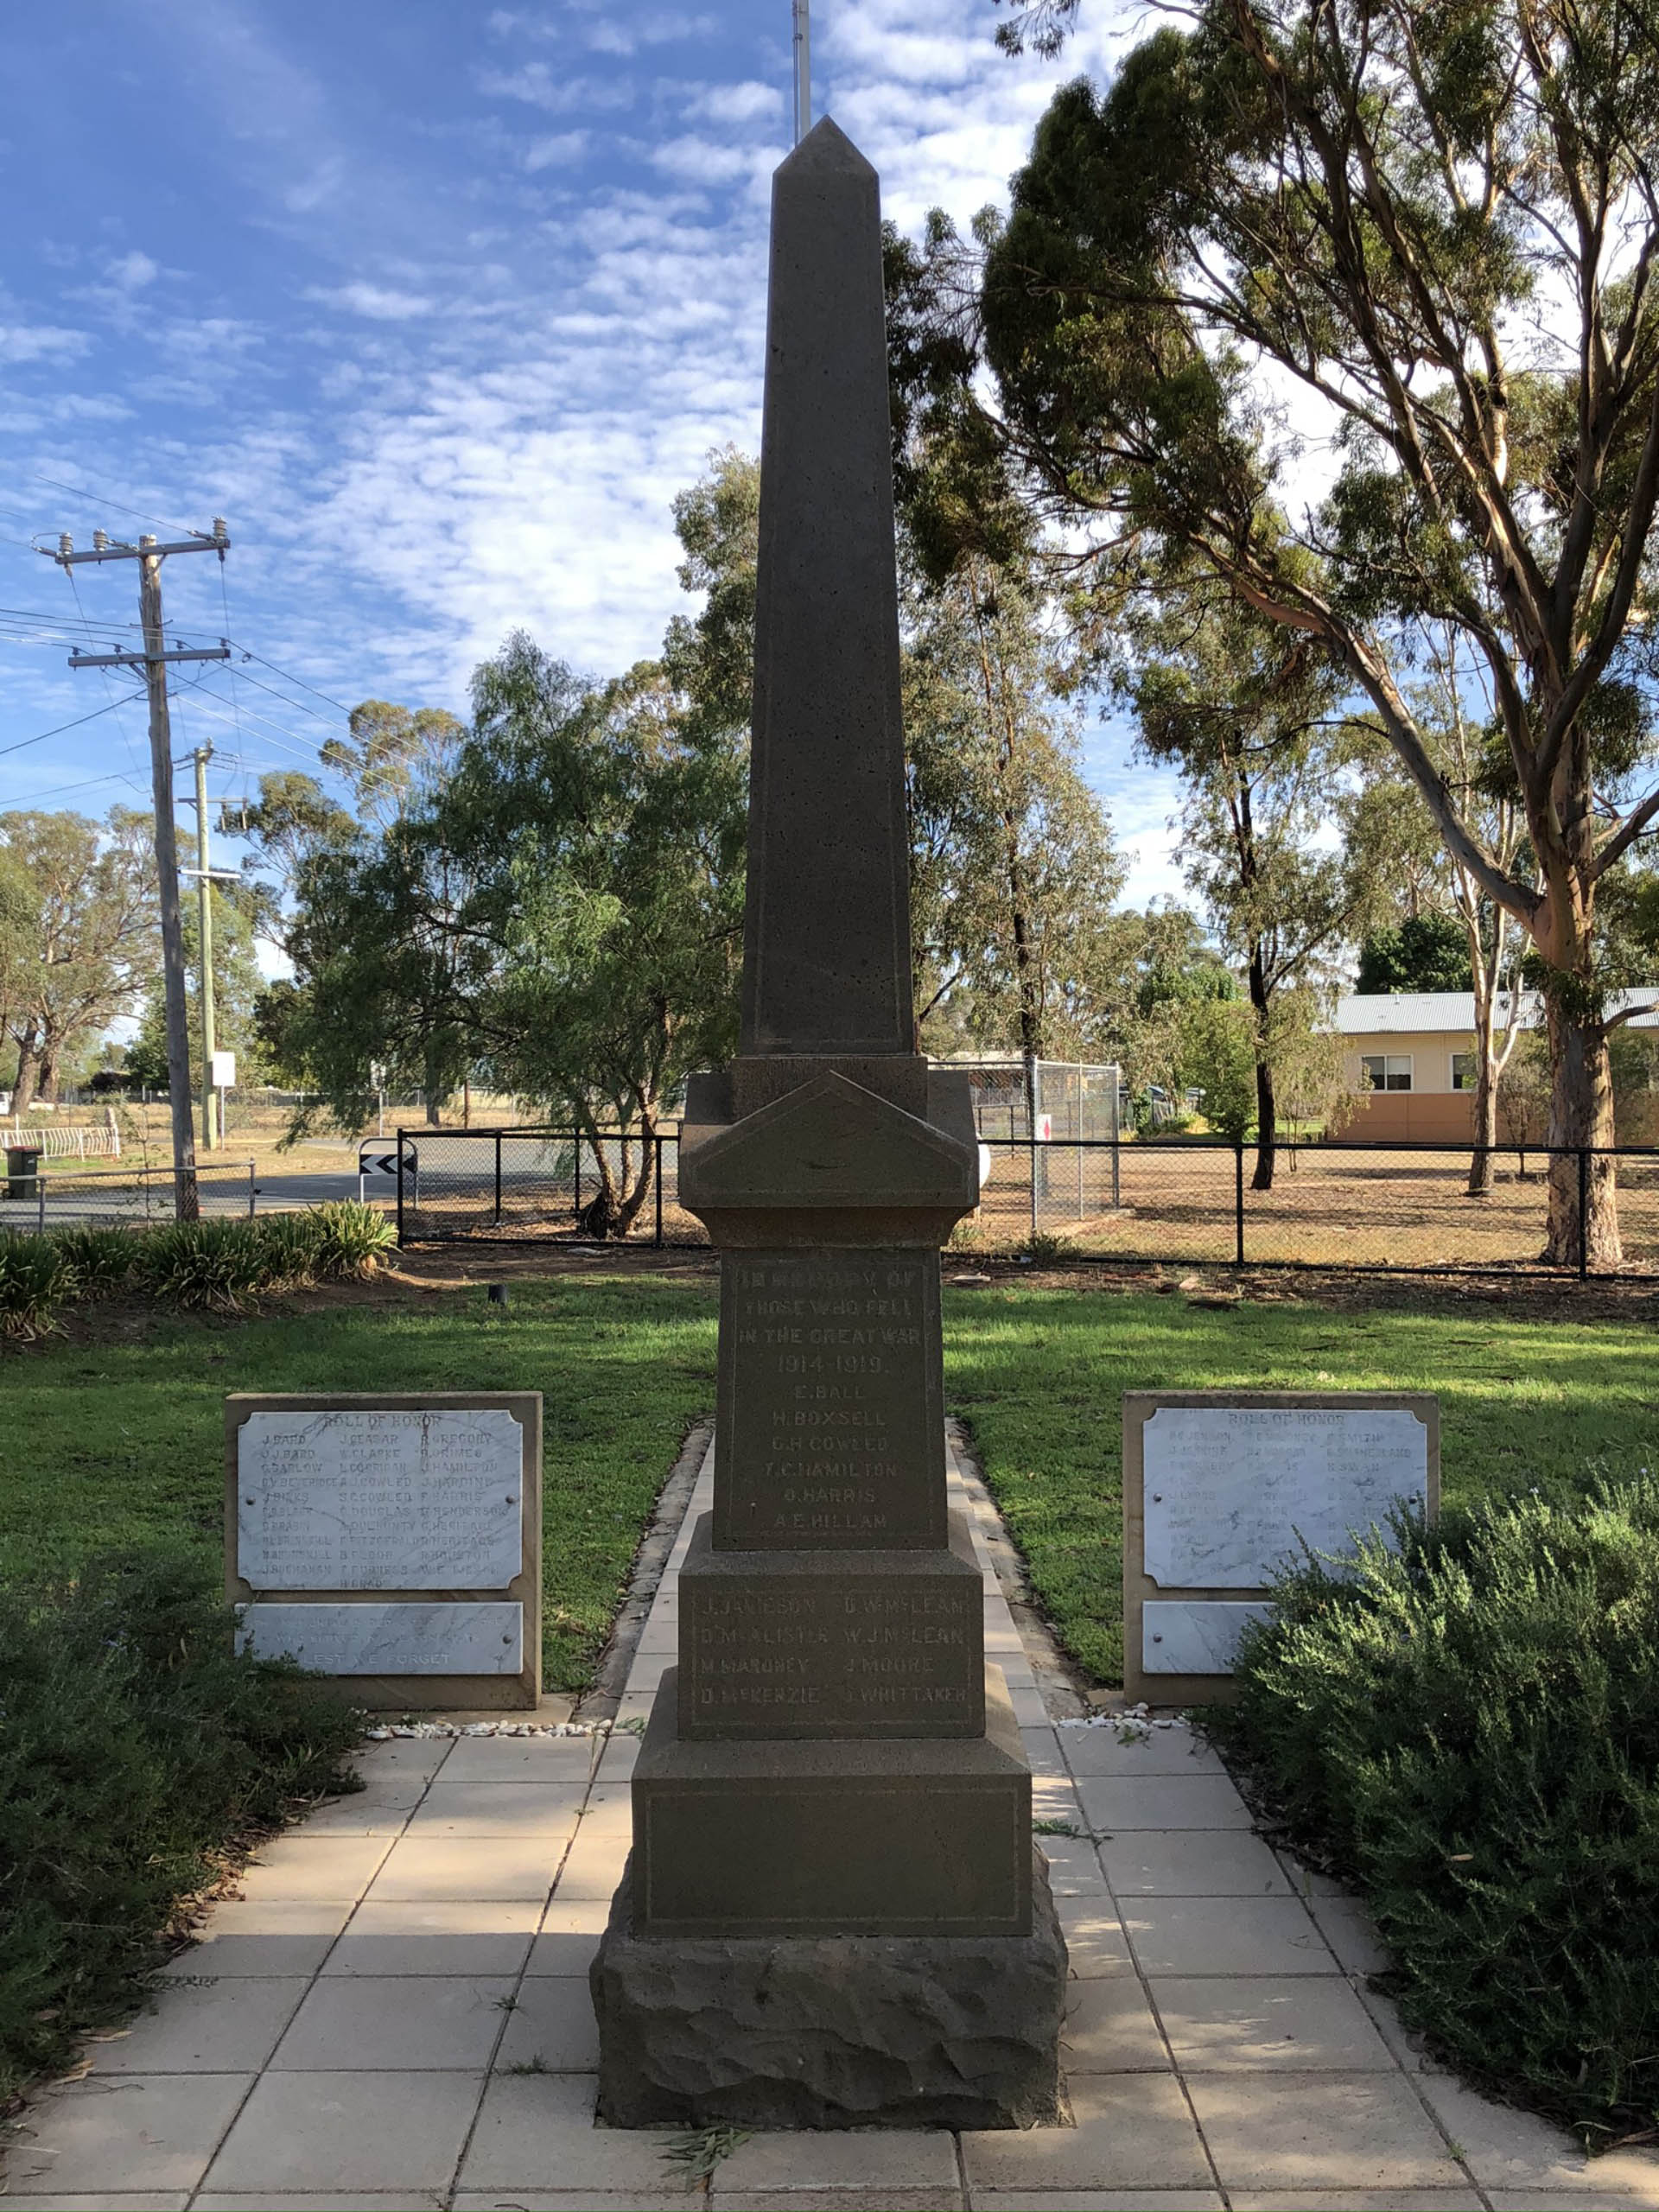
(1211, 1506)
(833, 1914)
(393, 1543)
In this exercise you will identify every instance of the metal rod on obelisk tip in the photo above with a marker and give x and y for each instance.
(802, 70)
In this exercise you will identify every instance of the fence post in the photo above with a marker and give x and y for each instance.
(1584, 1213)
(1238, 1202)
(400, 1189)
(498, 1179)
(578, 1204)
(253, 1189)
(39, 1193)
(1031, 1149)
(659, 1193)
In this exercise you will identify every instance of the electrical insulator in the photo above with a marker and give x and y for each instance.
(100, 540)
(65, 545)
(219, 530)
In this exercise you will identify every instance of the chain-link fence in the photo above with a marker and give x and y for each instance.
(1396, 1208)
(39, 1195)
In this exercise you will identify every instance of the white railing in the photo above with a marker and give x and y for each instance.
(77, 1143)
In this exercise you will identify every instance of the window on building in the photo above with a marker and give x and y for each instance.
(1387, 1070)
(1463, 1071)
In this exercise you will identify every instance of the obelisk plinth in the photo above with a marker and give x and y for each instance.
(833, 1914)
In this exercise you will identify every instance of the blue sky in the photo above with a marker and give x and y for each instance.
(439, 305)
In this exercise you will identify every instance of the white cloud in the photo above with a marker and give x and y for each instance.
(133, 272)
(556, 151)
(535, 85)
(376, 302)
(41, 342)
(748, 102)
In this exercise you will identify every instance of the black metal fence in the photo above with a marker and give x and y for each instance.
(1387, 1208)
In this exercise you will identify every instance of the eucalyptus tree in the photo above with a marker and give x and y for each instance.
(1428, 236)
(1254, 719)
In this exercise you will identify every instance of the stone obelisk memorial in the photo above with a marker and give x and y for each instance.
(833, 1915)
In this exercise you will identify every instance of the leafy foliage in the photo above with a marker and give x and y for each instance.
(1470, 1728)
(34, 1280)
(1425, 952)
(138, 1757)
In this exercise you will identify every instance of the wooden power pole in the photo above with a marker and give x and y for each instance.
(153, 660)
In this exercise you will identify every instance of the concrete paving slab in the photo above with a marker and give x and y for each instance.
(426, 1869)
(563, 1761)
(1191, 1863)
(362, 2022)
(1073, 1868)
(1347, 1927)
(1101, 1754)
(1301, 2022)
(451, 1937)
(260, 1937)
(1224, 1936)
(297, 1868)
(570, 1931)
(128, 2200)
(416, 2200)
(1319, 2131)
(538, 2131)
(1570, 2200)
(552, 2027)
(1356, 2200)
(1095, 1940)
(1097, 2200)
(142, 2131)
(373, 2132)
(492, 1808)
(1132, 2132)
(1506, 2148)
(1110, 2028)
(1114, 1802)
(876, 2158)
(231, 2026)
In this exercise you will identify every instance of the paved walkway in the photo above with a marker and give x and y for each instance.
(395, 2014)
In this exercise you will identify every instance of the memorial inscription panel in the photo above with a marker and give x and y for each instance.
(1221, 1489)
(1231, 1490)
(375, 1500)
(892, 1644)
(831, 1400)
(392, 1544)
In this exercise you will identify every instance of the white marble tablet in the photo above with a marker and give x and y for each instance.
(485, 1637)
(1227, 1491)
(1193, 1635)
(380, 1500)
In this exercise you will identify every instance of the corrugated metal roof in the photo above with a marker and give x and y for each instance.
(1394, 1014)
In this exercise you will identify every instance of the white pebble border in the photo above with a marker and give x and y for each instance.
(380, 1735)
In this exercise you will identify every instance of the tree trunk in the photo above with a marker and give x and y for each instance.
(1266, 1128)
(1481, 1162)
(433, 1101)
(1266, 1115)
(1580, 1116)
(29, 1061)
(46, 1087)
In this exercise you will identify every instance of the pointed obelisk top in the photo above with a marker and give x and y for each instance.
(826, 966)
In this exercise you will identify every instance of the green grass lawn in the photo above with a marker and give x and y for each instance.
(114, 1444)
(111, 1444)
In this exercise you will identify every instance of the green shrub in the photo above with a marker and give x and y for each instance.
(290, 1247)
(36, 1278)
(353, 1239)
(213, 1263)
(138, 1755)
(1471, 1729)
(101, 1259)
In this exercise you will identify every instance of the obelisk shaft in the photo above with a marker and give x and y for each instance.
(826, 966)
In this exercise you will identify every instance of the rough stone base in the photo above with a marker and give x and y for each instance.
(830, 2031)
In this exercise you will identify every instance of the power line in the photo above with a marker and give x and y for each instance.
(288, 675)
(79, 492)
(24, 741)
(115, 776)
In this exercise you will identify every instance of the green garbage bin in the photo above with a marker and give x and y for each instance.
(22, 1171)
